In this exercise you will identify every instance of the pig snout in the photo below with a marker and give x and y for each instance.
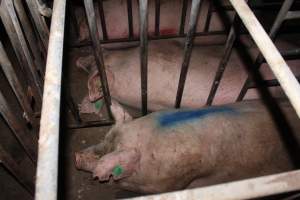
(85, 161)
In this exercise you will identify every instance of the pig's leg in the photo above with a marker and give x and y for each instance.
(118, 164)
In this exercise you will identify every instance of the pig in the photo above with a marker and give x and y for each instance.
(164, 66)
(186, 148)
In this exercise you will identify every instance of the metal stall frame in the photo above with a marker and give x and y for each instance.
(47, 172)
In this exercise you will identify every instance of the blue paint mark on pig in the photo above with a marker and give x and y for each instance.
(177, 117)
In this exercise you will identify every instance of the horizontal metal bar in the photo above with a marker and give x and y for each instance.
(268, 83)
(89, 124)
(195, 9)
(292, 15)
(47, 169)
(160, 37)
(245, 189)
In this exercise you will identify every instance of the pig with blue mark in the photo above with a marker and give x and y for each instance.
(176, 149)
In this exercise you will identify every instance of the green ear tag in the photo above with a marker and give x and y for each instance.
(98, 104)
(118, 170)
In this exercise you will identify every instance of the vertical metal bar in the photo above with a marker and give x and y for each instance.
(102, 18)
(47, 168)
(144, 53)
(188, 50)
(16, 86)
(28, 142)
(157, 17)
(277, 64)
(130, 23)
(208, 18)
(90, 12)
(222, 65)
(272, 34)
(183, 17)
(17, 172)
(17, 39)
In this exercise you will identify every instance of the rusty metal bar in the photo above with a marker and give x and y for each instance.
(157, 17)
(272, 34)
(143, 9)
(102, 19)
(30, 36)
(90, 13)
(16, 86)
(130, 23)
(188, 49)
(183, 17)
(47, 169)
(20, 47)
(277, 64)
(28, 142)
(245, 189)
(39, 23)
(16, 171)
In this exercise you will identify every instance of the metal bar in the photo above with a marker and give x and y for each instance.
(16, 86)
(18, 42)
(170, 36)
(90, 124)
(130, 23)
(144, 53)
(103, 21)
(157, 17)
(39, 23)
(292, 15)
(268, 83)
(73, 19)
(222, 65)
(188, 49)
(208, 18)
(30, 36)
(277, 64)
(47, 168)
(245, 189)
(90, 12)
(272, 34)
(183, 17)
(28, 142)
(16, 171)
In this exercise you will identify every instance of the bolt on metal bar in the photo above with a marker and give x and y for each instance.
(130, 23)
(157, 17)
(245, 189)
(90, 13)
(277, 64)
(272, 34)
(183, 17)
(47, 168)
(16, 86)
(143, 9)
(103, 21)
(28, 142)
(188, 49)
(16, 171)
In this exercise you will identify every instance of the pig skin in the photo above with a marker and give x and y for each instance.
(176, 149)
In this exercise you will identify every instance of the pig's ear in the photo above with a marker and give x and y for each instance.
(119, 113)
(118, 164)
